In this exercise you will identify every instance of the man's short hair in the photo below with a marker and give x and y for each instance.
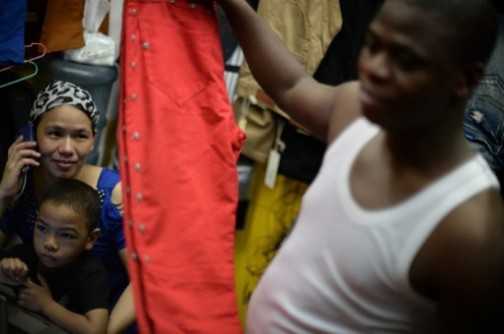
(472, 26)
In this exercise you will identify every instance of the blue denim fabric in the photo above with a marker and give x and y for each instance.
(12, 30)
(484, 114)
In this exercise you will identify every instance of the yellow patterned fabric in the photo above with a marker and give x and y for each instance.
(270, 215)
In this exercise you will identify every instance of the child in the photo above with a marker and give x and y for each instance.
(58, 276)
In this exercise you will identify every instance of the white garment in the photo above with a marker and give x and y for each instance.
(345, 269)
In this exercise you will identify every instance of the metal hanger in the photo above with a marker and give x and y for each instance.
(27, 61)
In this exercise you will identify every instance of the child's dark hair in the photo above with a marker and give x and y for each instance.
(78, 196)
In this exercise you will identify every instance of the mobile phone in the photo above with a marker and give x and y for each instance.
(27, 131)
(28, 135)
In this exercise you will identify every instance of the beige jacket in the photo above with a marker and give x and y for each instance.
(306, 26)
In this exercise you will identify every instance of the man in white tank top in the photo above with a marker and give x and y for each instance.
(403, 229)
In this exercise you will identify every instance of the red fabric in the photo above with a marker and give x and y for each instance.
(178, 149)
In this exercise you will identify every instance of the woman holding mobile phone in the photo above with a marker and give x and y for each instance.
(64, 119)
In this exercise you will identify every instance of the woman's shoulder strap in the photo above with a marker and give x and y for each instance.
(108, 178)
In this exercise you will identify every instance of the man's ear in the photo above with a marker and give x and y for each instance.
(468, 79)
(92, 237)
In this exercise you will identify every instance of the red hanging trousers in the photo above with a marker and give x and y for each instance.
(178, 145)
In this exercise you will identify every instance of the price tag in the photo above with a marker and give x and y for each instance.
(272, 168)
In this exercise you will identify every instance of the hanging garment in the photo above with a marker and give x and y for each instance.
(340, 60)
(484, 113)
(269, 218)
(179, 145)
(12, 30)
(302, 154)
(36, 11)
(307, 27)
(232, 71)
(62, 28)
(259, 123)
(16, 102)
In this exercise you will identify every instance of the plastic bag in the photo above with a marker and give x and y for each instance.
(99, 50)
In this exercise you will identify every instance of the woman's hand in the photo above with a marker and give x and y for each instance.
(21, 154)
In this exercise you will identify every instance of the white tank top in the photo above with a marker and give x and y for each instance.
(344, 269)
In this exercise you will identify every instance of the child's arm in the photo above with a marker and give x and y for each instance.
(39, 299)
(13, 271)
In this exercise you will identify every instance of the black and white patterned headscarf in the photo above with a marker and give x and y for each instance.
(59, 93)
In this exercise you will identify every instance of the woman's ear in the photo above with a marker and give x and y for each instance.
(92, 237)
(95, 133)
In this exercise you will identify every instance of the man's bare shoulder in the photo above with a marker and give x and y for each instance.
(476, 224)
(462, 262)
(467, 265)
(346, 108)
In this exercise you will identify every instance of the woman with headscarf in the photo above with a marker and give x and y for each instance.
(64, 119)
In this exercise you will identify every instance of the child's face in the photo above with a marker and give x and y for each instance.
(61, 235)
